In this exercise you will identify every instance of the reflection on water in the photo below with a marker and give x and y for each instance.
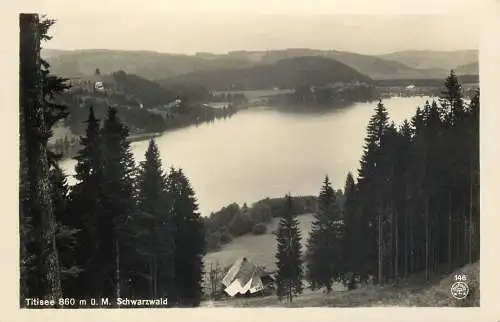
(262, 152)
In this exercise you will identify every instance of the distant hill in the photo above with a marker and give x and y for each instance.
(147, 64)
(154, 65)
(285, 73)
(429, 60)
(375, 67)
(143, 105)
(468, 69)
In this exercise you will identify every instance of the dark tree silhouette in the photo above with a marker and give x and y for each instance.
(40, 271)
(288, 254)
(325, 244)
(189, 240)
(417, 196)
(154, 235)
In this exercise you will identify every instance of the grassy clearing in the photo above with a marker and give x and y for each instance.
(412, 292)
(260, 249)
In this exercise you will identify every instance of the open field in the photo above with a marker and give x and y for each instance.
(259, 249)
(413, 292)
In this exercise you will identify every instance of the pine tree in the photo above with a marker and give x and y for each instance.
(154, 231)
(289, 254)
(118, 203)
(52, 87)
(451, 101)
(352, 249)
(473, 146)
(87, 208)
(36, 210)
(388, 188)
(324, 247)
(66, 235)
(369, 174)
(189, 240)
(453, 110)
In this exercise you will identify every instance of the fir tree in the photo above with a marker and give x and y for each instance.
(52, 88)
(324, 247)
(154, 232)
(87, 208)
(189, 240)
(457, 168)
(354, 225)
(404, 195)
(66, 235)
(42, 278)
(118, 203)
(451, 100)
(369, 174)
(474, 178)
(288, 254)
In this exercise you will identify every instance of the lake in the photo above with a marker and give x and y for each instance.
(261, 152)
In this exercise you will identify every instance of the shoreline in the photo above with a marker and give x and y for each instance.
(299, 108)
(139, 137)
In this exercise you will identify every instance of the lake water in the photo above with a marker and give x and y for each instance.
(261, 152)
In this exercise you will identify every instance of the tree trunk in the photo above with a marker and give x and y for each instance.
(465, 240)
(390, 244)
(151, 275)
(156, 277)
(450, 252)
(24, 200)
(406, 250)
(427, 244)
(412, 245)
(457, 239)
(36, 134)
(471, 209)
(379, 224)
(396, 262)
(211, 280)
(117, 249)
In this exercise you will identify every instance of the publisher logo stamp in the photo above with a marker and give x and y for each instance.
(459, 290)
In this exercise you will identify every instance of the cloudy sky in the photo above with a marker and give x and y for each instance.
(225, 26)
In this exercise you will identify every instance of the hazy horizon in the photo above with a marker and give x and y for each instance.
(220, 33)
(258, 50)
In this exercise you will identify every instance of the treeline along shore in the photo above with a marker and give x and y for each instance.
(128, 230)
(413, 207)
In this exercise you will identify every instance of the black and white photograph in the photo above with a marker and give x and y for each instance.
(293, 160)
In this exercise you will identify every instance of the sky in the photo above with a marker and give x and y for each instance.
(223, 26)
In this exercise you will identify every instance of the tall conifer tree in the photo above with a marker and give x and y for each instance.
(289, 254)
(118, 204)
(66, 234)
(189, 240)
(370, 173)
(87, 208)
(154, 223)
(324, 248)
(38, 247)
(354, 225)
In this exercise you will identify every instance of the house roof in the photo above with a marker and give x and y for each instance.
(242, 277)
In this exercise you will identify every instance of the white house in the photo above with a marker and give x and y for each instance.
(243, 277)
